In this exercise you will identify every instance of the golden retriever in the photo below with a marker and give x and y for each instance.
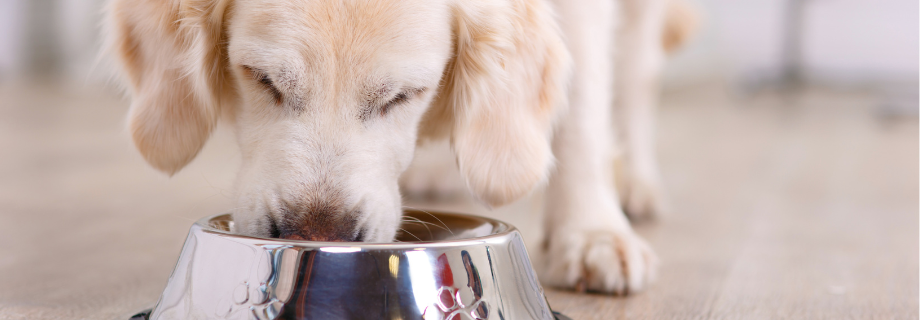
(329, 98)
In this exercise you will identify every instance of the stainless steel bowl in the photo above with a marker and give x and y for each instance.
(445, 266)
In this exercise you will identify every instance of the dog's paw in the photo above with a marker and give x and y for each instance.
(614, 262)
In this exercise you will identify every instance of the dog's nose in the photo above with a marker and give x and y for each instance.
(318, 222)
(318, 235)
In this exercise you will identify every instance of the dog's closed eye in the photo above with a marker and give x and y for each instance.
(266, 82)
(400, 98)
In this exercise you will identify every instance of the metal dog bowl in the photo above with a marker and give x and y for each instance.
(447, 266)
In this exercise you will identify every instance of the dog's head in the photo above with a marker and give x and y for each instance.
(329, 98)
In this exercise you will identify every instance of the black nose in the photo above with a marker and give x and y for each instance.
(317, 221)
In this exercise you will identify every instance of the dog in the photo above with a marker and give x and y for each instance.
(328, 100)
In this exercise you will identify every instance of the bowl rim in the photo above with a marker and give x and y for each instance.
(505, 230)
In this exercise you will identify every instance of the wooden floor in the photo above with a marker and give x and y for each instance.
(784, 208)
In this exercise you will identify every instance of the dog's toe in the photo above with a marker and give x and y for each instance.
(614, 262)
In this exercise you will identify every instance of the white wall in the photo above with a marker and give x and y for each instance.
(57, 37)
(12, 37)
(843, 40)
(877, 38)
(849, 40)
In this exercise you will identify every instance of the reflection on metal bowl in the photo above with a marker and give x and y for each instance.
(446, 266)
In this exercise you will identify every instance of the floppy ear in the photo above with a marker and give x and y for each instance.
(170, 51)
(500, 95)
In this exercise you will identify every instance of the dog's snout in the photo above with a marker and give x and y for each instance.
(312, 235)
(317, 222)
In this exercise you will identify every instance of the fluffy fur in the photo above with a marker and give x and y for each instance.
(328, 100)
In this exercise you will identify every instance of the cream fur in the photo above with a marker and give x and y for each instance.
(166, 50)
(501, 93)
(328, 100)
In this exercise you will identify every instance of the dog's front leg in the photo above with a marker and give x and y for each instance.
(589, 243)
(639, 59)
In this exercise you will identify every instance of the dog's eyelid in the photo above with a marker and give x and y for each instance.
(417, 90)
(253, 71)
(263, 78)
(406, 94)
(257, 74)
(401, 97)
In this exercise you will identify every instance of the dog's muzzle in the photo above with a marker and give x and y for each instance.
(316, 221)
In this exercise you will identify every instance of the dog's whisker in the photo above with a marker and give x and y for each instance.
(231, 210)
(433, 216)
(221, 191)
(425, 223)
(416, 220)
(186, 218)
(410, 233)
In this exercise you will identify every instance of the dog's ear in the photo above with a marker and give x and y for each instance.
(500, 94)
(170, 51)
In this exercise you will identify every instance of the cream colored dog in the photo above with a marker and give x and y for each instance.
(328, 100)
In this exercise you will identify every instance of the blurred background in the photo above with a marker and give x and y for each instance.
(788, 142)
(839, 42)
